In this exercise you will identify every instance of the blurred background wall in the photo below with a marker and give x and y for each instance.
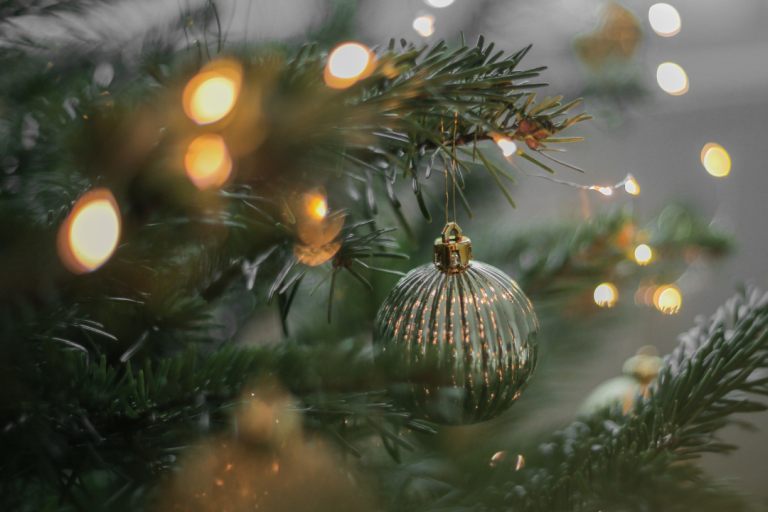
(723, 48)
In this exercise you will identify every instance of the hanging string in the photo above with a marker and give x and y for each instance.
(453, 161)
(445, 166)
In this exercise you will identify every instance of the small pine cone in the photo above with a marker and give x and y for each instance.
(532, 143)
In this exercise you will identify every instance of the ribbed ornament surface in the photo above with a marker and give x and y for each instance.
(458, 348)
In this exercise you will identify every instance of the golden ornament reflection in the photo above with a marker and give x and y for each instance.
(211, 94)
(207, 161)
(89, 235)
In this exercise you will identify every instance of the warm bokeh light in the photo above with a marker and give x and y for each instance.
(667, 299)
(90, 233)
(716, 160)
(424, 25)
(664, 19)
(440, 3)
(207, 161)
(211, 94)
(631, 186)
(643, 254)
(672, 79)
(606, 295)
(348, 63)
(507, 146)
(317, 207)
(520, 464)
(606, 191)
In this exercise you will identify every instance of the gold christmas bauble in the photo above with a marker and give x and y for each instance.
(457, 339)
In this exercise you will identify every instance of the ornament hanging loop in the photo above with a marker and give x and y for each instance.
(453, 252)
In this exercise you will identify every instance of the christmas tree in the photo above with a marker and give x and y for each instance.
(196, 244)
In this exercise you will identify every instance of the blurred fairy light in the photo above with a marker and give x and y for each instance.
(498, 458)
(606, 295)
(667, 299)
(424, 25)
(439, 3)
(606, 191)
(643, 254)
(631, 185)
(716, 160)
(348, 63)
(672, 79)
(520, 464)
(508, 147)
(207, 161)
(664, 19)
(89, 235)
(211, 94)
(317, 207)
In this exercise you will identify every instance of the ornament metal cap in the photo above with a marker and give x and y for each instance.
(453, 252)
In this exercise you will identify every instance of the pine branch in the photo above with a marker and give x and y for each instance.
(707, 379)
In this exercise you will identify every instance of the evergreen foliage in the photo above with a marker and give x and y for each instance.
(108, 376)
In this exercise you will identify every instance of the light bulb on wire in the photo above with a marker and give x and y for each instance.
(631, 186)
(347, 64)
(424, 25)
(89, 235)
(508, 147)
(211, 94)
(606, 295)
(439, 3)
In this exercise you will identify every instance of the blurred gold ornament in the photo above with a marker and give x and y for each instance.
(347, 64)
(88, 236)
(672, 79)
(424, 25)
(664, 19)
(457, 339)
(267, 466)
(606, 295)
(207, 161)
(640, 372)
(211, 94)
(314, 256)
(716, 160)
(643, 254)
(667, 299)
(616, 38)
(315, 226)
